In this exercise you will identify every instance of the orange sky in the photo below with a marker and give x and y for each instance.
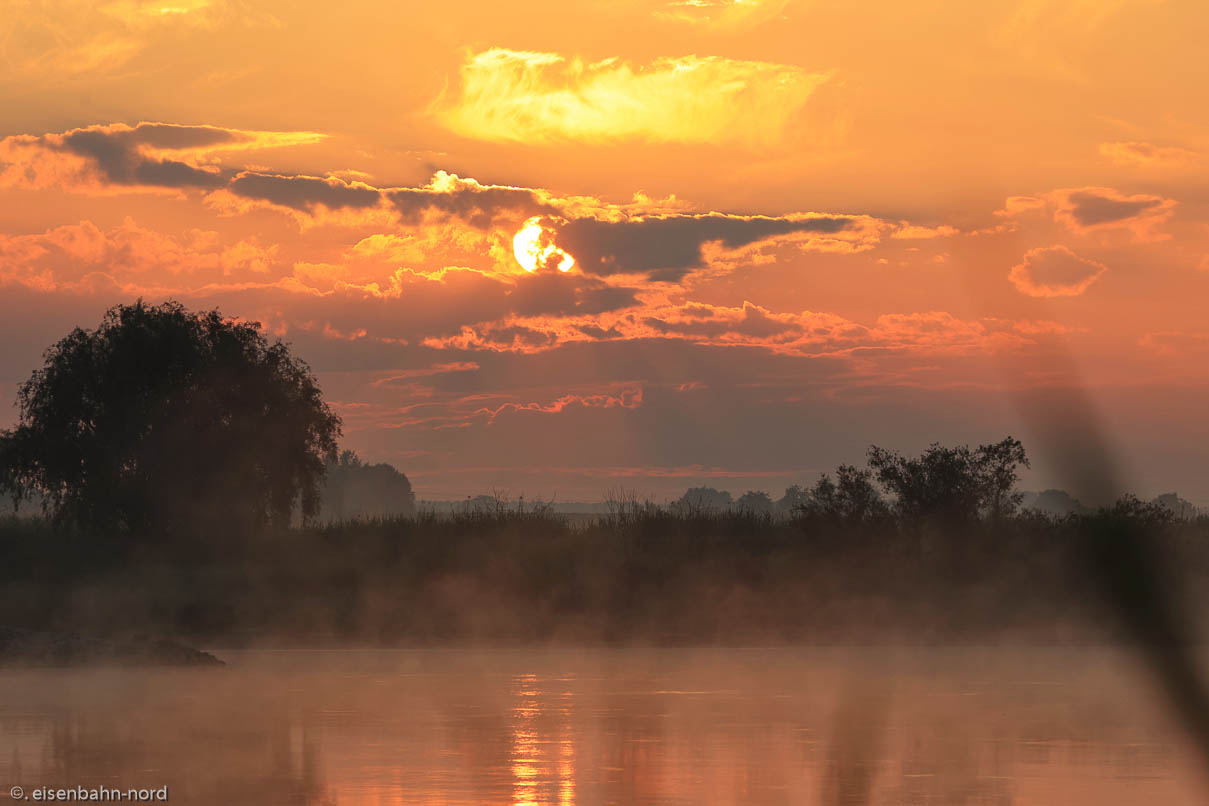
(797, 227)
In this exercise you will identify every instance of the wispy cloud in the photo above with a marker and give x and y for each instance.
(1147, 155)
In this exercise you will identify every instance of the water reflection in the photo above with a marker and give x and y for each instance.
(605, 727)
(543, 754)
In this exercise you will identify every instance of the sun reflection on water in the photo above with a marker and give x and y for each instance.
(543, 746)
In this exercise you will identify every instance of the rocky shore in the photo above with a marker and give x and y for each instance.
(19, 647)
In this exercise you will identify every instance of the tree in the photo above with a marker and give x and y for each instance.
(794, 499)
(1179, 508)
(755, 502)
(355, 489)
(1058, 503)
(995, 466)
(953, 485)
(165, 419)
(851, 498)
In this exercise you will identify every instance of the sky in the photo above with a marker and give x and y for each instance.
(554, 249)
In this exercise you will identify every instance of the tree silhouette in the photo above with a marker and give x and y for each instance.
(953, 485)
(1056, 503)
(852, 498)
(162, 419)
(355, 489)
(755, 502)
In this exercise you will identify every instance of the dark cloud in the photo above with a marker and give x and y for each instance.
(476, 205)
(703, 321)
(1089, 208)
(120, 160)
(175, 135)
(668, 247)
(568, 295)
(303, 192)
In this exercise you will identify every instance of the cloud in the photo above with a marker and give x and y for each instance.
(411, 306)
(1092, 209)
(915, 232)
(450, 218)
(304, 192)
(144, 156)
(1054, 271)
(1086, 209)
(624, 398)
(477, 204)
(542, 98)
(1018, 205)
(74, 257)
(668, 247)
(1146, 155)
(408, 375)
(441, 409)
(446, 197)
(804, 334)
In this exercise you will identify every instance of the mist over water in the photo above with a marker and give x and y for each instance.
(641, 726)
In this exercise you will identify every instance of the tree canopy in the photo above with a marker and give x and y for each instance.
(166, 419)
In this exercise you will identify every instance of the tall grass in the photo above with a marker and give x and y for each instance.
(638, 573)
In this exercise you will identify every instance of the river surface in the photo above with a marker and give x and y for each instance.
(622, 726)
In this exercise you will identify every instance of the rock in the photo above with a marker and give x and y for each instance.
(19, 647)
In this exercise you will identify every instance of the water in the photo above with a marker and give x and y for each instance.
(630, 726)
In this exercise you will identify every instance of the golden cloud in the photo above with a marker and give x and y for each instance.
(536, 97)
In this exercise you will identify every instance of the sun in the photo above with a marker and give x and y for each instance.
(535, 250)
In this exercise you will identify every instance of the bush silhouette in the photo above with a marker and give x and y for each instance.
(164, 419)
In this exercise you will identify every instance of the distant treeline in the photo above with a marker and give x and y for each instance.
(932, 547)
(354, 489)
(943, 482)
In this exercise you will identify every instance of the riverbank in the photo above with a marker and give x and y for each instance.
(19, 647)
